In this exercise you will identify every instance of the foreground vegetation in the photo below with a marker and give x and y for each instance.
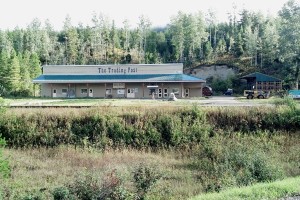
(275, 190)
(146, 153)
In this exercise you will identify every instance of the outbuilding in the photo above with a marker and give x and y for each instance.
(118, 81)
(260, 81)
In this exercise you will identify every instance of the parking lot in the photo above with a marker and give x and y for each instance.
(210, 101)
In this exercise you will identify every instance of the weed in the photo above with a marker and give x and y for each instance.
(4, 165)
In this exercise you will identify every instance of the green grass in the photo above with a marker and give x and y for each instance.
(275, 190)
(44, 169)
(100, 102)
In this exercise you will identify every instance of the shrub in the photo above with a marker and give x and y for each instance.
(112, 188)
(144, 178)
(85, 187)
(90, 187)
(61, 193)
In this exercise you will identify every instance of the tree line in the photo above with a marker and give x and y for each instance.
(260, 42)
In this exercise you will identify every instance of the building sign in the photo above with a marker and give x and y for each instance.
(117, 70)
(118, 85)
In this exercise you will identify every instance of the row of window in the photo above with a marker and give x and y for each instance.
(268, 83)
(65, 91)
(267, 87)
(160, 91)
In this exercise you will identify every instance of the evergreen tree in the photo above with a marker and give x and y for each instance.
(35, 66)
(208, 51)
(26, 81)
(290, 38)
(13, 77)
(238, 44)
(4, 64)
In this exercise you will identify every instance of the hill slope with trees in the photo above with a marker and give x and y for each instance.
(249, 41)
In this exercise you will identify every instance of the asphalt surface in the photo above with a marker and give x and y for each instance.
(222, 101)
(232, 101)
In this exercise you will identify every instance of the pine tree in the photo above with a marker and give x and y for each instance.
(4, 61)
(26, 81)
(13, 77)
(35, 66)
(290, 38)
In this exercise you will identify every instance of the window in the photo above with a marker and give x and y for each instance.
(54, 91)
(175, 90)
(64, 91)
(84, 91)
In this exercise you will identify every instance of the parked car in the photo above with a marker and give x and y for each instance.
(229, 92)
(207, 91)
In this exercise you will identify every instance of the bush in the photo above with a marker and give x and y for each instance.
(85, 187)
(61, 193)
(90, 187)
(144, 178)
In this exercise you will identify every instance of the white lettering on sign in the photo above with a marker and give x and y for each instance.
(118, 70)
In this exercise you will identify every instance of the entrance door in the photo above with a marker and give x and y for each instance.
(71, 93)
(108, 93)
(54, 93)
(130, 93)
(160, 93)
(166, 95)
(186, 92)
(91, 93)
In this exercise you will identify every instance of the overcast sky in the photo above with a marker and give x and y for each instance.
(21, 12)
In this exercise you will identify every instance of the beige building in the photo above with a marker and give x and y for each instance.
(118, 81)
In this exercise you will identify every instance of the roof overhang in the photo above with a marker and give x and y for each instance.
(147, 78)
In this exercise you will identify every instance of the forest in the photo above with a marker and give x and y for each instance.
(249, 41)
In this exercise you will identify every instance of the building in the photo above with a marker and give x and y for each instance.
(259, 81)
(118, 81)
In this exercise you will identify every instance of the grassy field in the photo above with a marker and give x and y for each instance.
(45, 169)
(37, 172)
(148, 152)
(274, 190)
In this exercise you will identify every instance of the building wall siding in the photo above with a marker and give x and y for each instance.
(140, 90)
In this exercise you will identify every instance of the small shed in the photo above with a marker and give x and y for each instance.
(260, 81)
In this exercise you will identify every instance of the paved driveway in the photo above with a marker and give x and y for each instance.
(233, 101)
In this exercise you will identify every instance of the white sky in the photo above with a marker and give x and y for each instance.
(21, 12)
